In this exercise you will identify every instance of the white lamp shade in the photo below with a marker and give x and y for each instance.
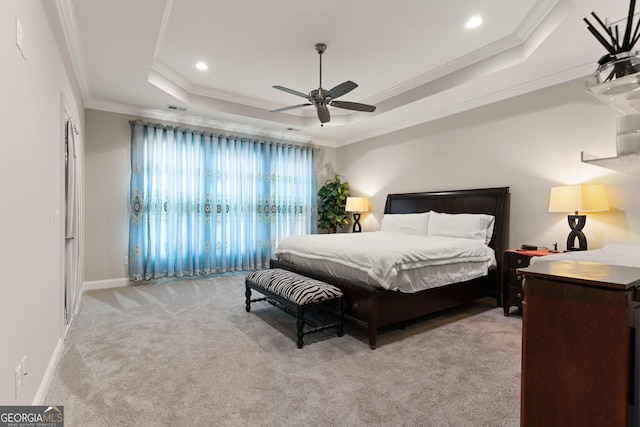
(357, 204)
(578, 198)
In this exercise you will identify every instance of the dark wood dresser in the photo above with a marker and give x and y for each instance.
(579, 345)
(511, 288)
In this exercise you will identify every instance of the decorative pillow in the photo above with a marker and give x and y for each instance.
(413, 223)
(467, 226)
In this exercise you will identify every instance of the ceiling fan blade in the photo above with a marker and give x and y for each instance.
(353, 106)
(323, 113)
(291, 91)
(290, 108)
(341, 89)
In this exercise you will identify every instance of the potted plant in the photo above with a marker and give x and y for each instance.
(331, 206)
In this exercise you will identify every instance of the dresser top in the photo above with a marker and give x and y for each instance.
(586, 273)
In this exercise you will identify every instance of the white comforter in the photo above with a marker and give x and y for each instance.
(393, 261)
(625, 254)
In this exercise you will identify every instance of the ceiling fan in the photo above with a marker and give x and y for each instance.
(322, 98)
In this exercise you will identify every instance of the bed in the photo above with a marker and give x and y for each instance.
(373, 307)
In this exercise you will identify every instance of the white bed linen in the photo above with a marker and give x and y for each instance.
(625, 254)
(394, 261)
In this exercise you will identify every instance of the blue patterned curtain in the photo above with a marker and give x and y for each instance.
(202, 203)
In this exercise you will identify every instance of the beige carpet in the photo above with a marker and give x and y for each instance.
(188, 354)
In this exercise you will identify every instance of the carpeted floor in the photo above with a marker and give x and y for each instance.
(188, 354)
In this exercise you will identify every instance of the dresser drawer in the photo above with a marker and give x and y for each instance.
(511, 292)
(516, 295)
(511, 289)
(517, 260)
(514, 278)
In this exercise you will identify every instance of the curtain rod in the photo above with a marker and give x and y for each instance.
(206, 133)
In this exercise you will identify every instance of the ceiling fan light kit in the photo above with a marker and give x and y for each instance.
(322, 98)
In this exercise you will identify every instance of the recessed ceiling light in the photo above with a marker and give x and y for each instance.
(202, 66)
(474, 22)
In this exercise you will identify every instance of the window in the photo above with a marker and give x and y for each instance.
(203, 203)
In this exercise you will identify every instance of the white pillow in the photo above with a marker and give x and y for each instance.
(467, 226)
(414, 223)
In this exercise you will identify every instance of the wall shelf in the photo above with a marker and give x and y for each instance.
(625, 164)
(623, 94)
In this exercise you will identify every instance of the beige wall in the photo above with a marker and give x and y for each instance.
(529, 143)
(31, 310)
(107, 189)
(108, 139)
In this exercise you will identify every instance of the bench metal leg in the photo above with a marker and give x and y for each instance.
(340, 315)
(300, 324)
(247, 294)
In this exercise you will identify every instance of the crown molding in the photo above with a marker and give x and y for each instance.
(70, 29)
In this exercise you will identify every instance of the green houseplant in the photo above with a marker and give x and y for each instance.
(331, 206)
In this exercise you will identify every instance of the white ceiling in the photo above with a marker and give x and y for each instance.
(413, 59)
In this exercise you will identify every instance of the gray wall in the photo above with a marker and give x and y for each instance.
(529, 143)
(107, 183)
(31, 168)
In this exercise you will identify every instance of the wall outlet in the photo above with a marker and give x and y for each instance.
(18, 380)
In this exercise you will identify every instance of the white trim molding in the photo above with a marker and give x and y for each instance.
(105, 284)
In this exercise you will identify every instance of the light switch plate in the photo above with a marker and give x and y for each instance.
(20, 38)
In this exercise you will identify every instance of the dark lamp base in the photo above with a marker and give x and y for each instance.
(357, 228)
(576, 222)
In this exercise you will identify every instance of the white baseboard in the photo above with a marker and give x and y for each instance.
(48, 374)
(105, 284)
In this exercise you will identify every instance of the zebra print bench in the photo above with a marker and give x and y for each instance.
(295, 294)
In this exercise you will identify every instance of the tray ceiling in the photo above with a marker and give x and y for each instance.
(415, 60)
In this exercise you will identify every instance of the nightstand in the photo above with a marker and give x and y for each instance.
(512, 294)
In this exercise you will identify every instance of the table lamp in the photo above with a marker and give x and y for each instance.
(357, 205)
(578, 198)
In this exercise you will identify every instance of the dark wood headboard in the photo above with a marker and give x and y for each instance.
(492, 201)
